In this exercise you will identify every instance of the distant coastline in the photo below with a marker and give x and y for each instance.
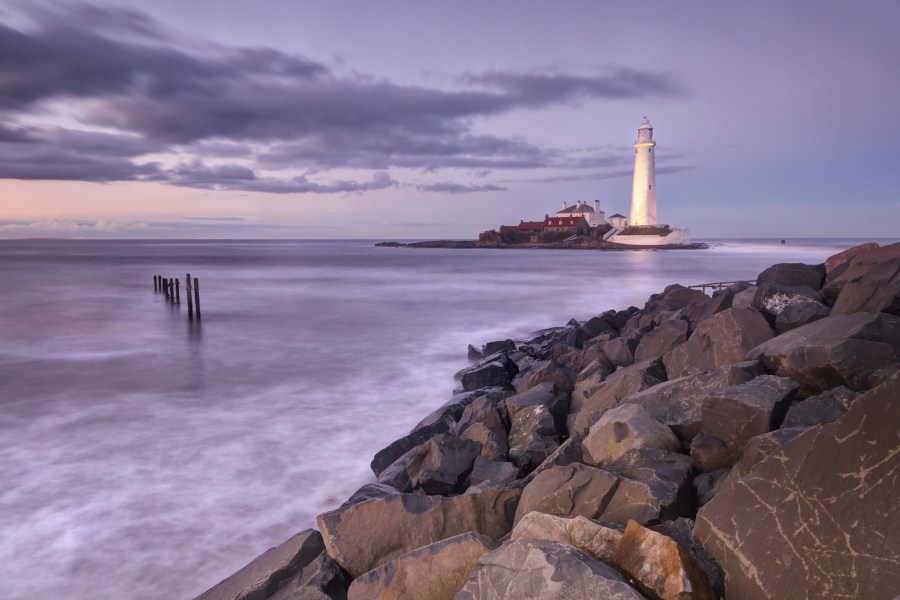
(578, 244)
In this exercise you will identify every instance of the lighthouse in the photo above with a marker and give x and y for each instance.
(643, 189)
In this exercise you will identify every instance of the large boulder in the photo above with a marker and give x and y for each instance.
(543, 394)
(584, 411)
(793, 274)
(570, 451)
(619, 351)
(387, 455)
(322, 579)
(857, 266)
(261, 578)
(660, 567)
(546, 371)
(722, 339)
(595, 539)
(453, 410)
(529, 569)
(485, 421)
(498, 372)
(837, 350)
(568, 491)
(800, 314)
(836, 260)
(497, 473)
(532, 437)
(664, 338)
(654, 485)
(744, 298)
(365, 535)
(773, 298)
(826, 407)
(439, 466)
(436, 571)
(673, 298)
(738, 413)
(678, 402)
(878, 290)
(622, 428)
(819, 518)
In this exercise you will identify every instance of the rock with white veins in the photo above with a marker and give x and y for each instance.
(818, 518)
(529, 569)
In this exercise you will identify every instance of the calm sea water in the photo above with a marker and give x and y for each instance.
(145, 457)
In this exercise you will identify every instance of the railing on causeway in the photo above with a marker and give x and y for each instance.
(716, 285)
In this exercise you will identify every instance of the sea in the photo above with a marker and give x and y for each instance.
(147, 456)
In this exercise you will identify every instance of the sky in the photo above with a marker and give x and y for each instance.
(422, 120)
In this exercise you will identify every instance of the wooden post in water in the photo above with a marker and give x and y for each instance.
(171, 291)
(155, 284)
(197, 296)
(187, 292)
(177, 291)
(165, 286)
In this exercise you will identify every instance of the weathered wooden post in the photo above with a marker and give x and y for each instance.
(171, 291)
(177, 291)
(155, 284)
(165, 286)
(187, 292)
(197, 296)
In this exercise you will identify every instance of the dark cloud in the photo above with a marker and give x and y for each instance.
(449, 187)
(236, 177)
(121, 71)
(540, 89)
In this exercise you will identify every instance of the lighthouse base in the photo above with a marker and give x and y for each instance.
(652, 235)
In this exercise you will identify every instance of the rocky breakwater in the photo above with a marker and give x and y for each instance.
(742, 446)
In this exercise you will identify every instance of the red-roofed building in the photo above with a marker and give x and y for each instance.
(573, 225)
(525, 231)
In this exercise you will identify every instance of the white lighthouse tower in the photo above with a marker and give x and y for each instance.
(643, 189)
(643, 229)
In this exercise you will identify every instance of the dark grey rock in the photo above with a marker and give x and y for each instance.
(723, 339)
(532, 437)
(839, 350)
(824, 408)
(496, 472)
(664, 338)
(793, 274)
(800, 314)
(679, 402)
(738, 413)
(322, 579)
(261, 578)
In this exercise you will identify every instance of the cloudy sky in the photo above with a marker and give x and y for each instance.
(410, 119)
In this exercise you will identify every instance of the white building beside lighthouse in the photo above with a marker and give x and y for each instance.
(643, 227)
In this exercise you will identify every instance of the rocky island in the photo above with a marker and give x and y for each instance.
(743, 446)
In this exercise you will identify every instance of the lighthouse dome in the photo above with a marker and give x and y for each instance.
(645, 124)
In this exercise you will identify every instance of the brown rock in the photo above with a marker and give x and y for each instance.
(366, 535)
(664, 338)
(439, 466)
(833, 262)
(543, 394)
(738, 413)
(262, 576)
(858, 267)
(819, 518)
(568, 452)
(837, 350)
(654, 484)
(622, 428)
(619, 351)
(876, 291)
(529, 569)
(773, 299)
(584, 412)
(659, 566)
(678, 402)
(744, 299)
(498, 473)
(436, 571)
(568, 491)
(710, 453)
(722, 339)
(595, 539)
(546, 372)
